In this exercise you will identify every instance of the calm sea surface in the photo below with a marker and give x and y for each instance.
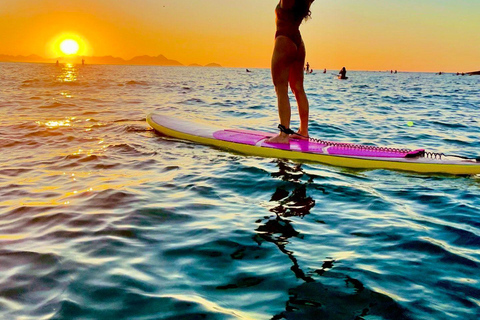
(102, 218)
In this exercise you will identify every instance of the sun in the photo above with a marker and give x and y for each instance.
(69, 46)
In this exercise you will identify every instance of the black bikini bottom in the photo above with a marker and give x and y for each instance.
(295, 37)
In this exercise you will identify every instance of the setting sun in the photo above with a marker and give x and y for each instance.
(69, 46)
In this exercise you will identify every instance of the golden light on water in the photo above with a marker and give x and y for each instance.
(55, 123)
(69, 73)
(69, 46)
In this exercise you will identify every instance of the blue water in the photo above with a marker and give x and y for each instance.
(102, 218)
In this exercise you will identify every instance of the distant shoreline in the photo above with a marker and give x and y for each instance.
(144, 60)
(164, 62)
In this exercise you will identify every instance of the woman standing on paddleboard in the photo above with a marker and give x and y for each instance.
(287, 65)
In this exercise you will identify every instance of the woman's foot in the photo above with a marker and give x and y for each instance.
(301, 135)
(280, 138)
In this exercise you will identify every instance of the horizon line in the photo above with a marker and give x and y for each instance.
(176, 63)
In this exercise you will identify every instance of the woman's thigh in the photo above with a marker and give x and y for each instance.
(284, 55)
(296, 73)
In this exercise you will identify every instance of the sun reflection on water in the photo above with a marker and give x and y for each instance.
(69, 73)
(55, 123)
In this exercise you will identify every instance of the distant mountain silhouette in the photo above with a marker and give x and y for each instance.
(30, 58)
(159, 60)
(103, 60)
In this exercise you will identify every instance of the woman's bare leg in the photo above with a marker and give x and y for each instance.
(296, 83)
(284, 54)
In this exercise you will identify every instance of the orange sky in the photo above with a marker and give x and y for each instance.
(420, 35)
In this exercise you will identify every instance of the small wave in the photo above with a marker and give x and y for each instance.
(87, 113)
(25, 211)
(192, 101)
(103, 166)
(242, 283)
(140, 165)
(82, 157)
(56, 105)
(136, 83)
(361, 86)
(123, 148)
(130, 120)
(68, 83)
(14, 172)
(31, 83)
(4, 143)
(45, 133)
(136, 128)
(463, 238)
(451, 125)
(15, 194)
(111, 199)
(34, 280)
(434, 249)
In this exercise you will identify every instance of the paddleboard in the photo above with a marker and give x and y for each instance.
(251, 142)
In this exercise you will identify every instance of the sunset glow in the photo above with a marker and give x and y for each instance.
(66, 44)
(69, 46)
(359, 34)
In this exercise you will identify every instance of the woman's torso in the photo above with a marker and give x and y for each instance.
(288, 24)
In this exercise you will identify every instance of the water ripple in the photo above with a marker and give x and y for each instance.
(102, 218)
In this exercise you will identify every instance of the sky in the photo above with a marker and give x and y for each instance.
(404, 35)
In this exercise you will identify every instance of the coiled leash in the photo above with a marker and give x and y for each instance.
(409, 153)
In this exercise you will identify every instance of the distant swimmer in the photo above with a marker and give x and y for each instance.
(57, 63)
(248, 70)
(307, 68)
(325, 70)
(342, 74)
(83, 62)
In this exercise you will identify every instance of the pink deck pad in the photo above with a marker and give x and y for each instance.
(251, 137)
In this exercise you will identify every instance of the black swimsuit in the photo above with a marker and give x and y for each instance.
(288, 25)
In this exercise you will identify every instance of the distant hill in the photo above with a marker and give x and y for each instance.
(30, 58)
(212, 65)
(159, 60)
(104, 60)
(474, 73)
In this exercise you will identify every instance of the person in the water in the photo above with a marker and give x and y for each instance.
(288, 61)
(342, 74)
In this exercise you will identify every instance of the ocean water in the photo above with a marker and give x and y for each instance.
(102, 218)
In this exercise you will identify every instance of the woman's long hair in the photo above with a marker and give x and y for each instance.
(301, 9)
